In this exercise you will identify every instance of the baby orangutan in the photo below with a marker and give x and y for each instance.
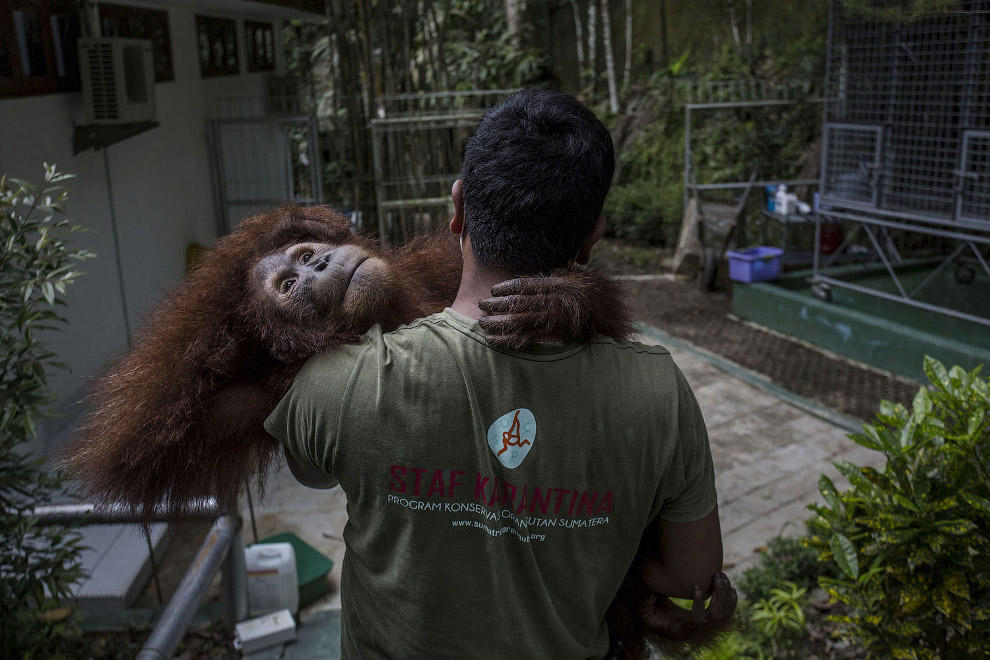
(180, 416)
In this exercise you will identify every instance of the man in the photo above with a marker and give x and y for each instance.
(496, 498)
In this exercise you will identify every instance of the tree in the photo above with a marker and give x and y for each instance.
(592, 45)
(512, 11)
(627, 70)
(579, 41)
(613, 96)
(38, 565)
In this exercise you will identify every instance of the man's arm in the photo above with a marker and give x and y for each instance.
(307, 476)
(690, 553)
(688, 566)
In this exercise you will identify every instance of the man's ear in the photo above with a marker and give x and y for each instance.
(457, 222)
(584, 254)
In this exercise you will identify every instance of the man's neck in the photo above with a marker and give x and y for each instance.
(476, 284)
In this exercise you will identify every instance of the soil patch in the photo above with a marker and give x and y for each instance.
(682, 310)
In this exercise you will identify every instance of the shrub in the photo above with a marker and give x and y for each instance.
(787, 559)
(913, 540)
(637, 213)
(645, 204)
(38, 565)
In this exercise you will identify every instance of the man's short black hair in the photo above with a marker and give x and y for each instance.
(536, 172)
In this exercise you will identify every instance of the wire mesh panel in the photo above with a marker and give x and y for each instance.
(418, 143)
(924, 79)
(852, 157)
(974, 193)
(260, 164)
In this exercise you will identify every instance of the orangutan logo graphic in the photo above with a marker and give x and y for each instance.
(511, 436)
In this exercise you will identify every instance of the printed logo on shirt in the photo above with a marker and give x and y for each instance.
(511, 436)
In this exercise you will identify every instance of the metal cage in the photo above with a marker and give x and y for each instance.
(906, 139)
(907, 113)
(418, 143)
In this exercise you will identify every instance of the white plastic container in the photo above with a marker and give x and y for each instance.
(264, 632)
(271, 578)
(782, 201)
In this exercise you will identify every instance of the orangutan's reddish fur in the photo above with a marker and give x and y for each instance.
(181, 415)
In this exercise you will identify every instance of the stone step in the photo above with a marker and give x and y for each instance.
(118, 563)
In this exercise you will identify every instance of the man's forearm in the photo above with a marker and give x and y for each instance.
(689, 555)
(665, 580)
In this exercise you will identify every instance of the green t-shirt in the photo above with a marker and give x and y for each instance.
(495, 498)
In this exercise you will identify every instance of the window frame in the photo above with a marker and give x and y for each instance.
(20, 84)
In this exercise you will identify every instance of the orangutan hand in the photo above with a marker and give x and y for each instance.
(567, 305)
(698, 625)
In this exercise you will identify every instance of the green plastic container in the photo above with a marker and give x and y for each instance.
(312, 567)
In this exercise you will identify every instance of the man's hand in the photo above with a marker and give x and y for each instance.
(673, 626)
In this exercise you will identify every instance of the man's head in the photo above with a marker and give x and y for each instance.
(535, 175)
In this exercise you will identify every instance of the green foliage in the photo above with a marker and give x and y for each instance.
(787, 560)
(646, 201)
(905, 12)
(732, 646)
(480, 52)
(780, 615)
(645, 204)
(38, 565)
(912, 540)
(639, 213)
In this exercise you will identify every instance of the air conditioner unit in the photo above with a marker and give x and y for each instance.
(118, 80)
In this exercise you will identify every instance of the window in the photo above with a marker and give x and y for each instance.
(259, 43)
(38, 47)
(141, 23)
(217, 41)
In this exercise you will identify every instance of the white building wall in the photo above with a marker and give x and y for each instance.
(162, 196)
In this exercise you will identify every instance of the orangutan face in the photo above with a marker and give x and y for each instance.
(324, 283)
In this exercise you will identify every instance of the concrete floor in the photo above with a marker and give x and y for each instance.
(316, 516)
(768, 456)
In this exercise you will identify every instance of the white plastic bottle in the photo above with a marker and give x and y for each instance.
(271, 578)
(781, 201)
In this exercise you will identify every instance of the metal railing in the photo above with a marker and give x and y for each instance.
(222, 549)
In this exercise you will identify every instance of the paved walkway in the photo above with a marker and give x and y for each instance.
(768, 456)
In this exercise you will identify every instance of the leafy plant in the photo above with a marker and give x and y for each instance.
(38, 565)
(787, 559)
(732, 646)
(645, 204)
(780, 617)
(912, 540)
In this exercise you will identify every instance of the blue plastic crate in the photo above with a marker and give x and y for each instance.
(755, 264)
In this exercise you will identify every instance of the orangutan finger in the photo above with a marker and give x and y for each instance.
(665, 618)
(508, 287)
(514, 341)
(528, 286)
(511, 304)
(505, 324)
(698, 605)
(724, 599)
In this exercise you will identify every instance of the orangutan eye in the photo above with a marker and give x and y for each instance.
(306, 257)
(286, 285)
